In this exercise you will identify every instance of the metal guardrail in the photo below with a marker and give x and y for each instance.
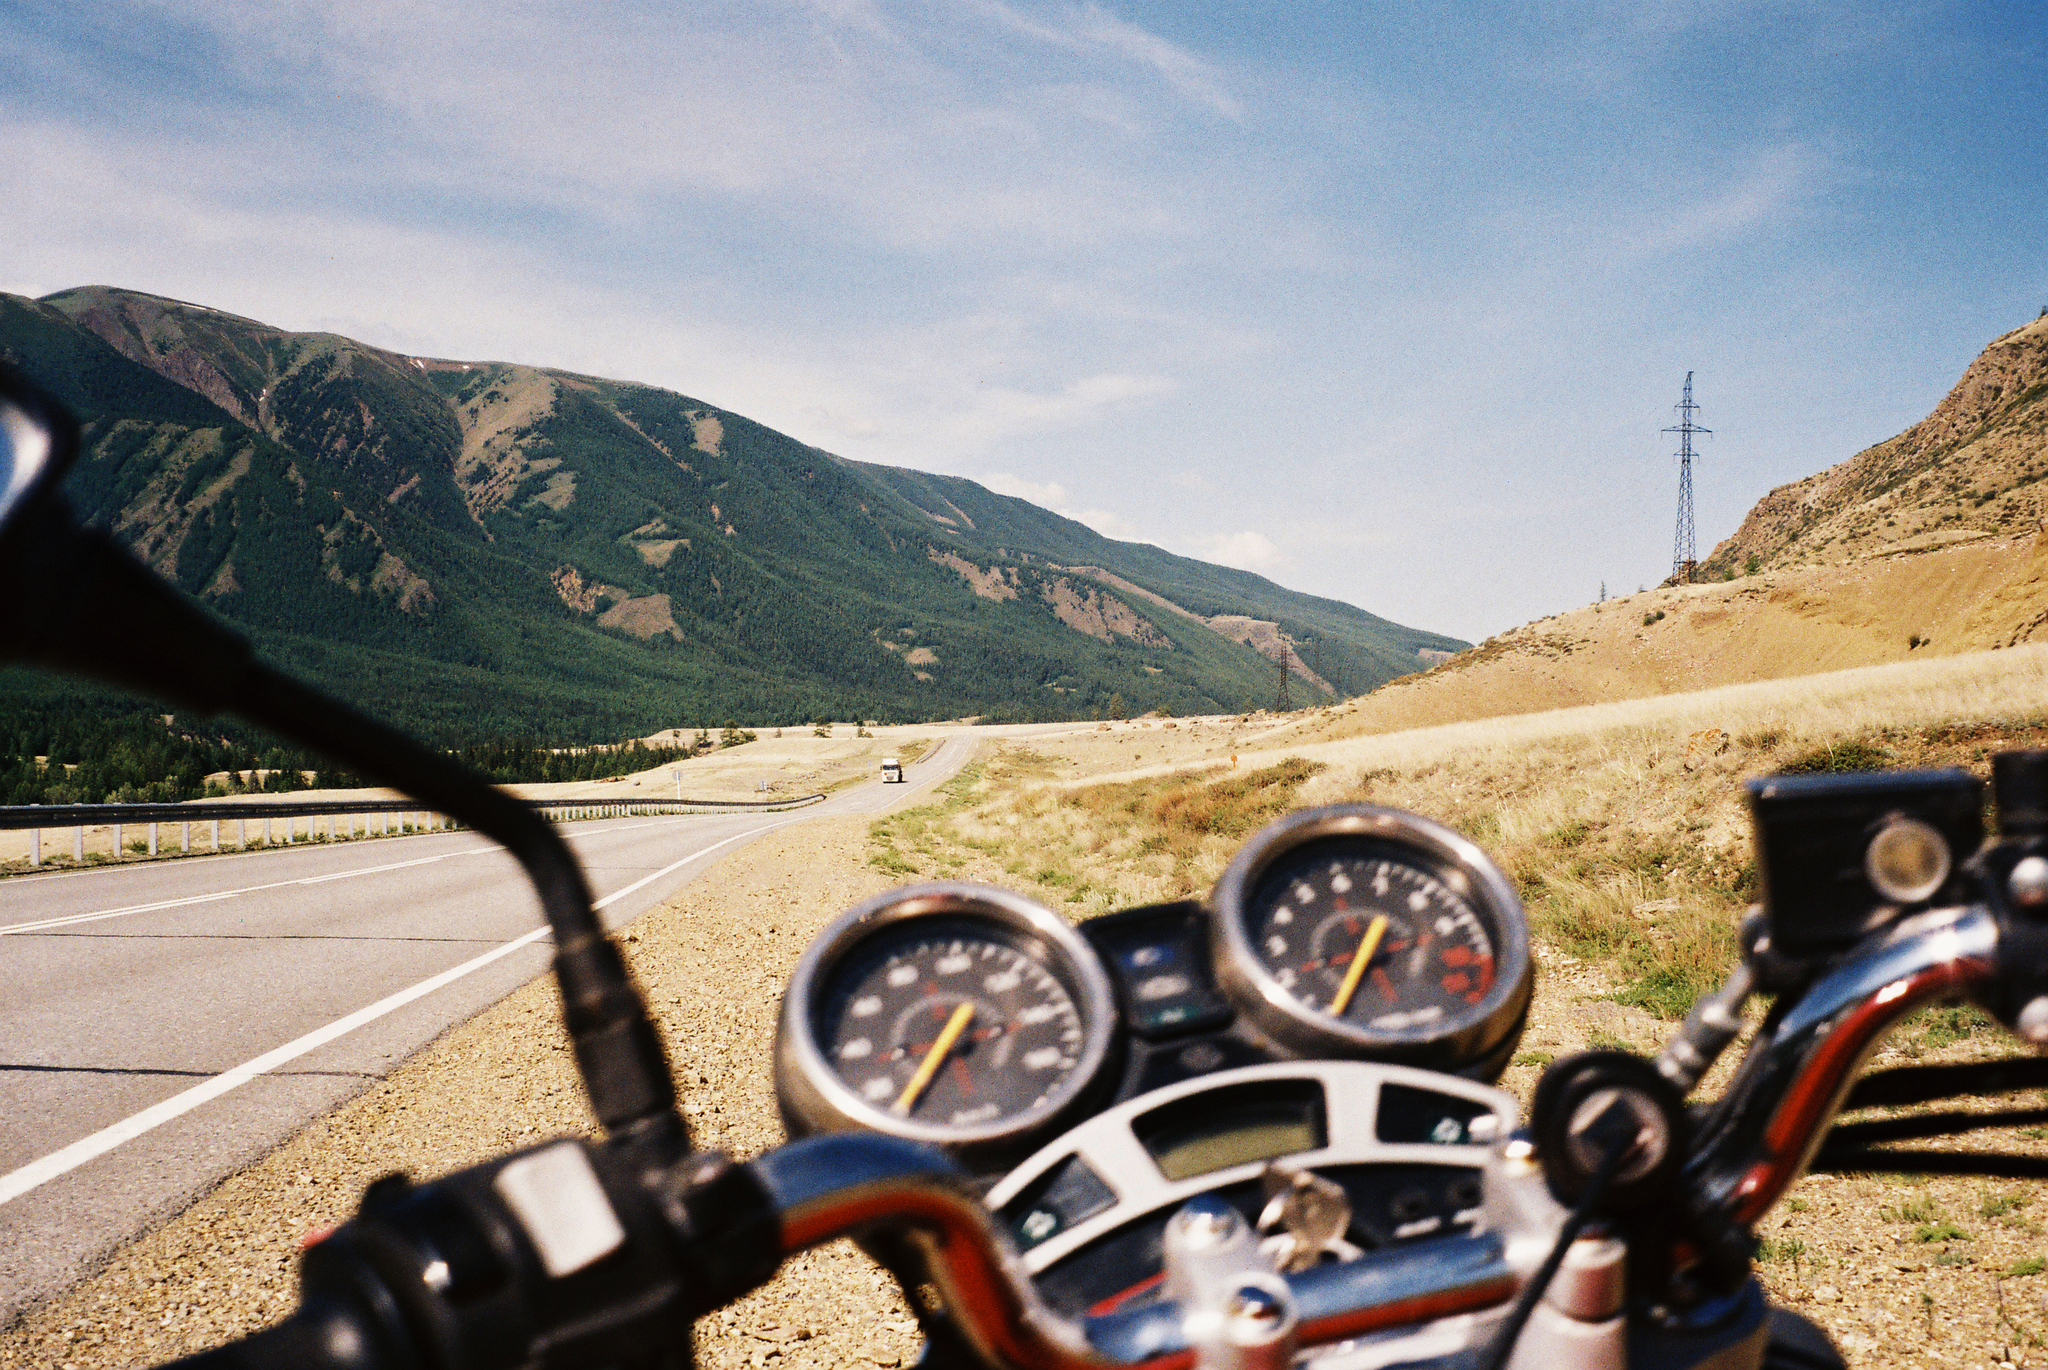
(410, 817)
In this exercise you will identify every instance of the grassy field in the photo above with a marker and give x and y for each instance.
(1623, 825)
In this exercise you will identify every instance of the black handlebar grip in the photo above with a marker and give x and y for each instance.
(323, 1336)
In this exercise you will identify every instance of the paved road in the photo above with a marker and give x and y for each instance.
(163, 1025)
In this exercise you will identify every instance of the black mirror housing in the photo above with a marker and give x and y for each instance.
(38, 441)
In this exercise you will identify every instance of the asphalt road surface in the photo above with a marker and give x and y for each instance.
(164, 1024)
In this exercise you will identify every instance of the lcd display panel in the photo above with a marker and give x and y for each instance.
(1222, 1128)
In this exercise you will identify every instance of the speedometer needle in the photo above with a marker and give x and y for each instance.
(929, 1067)
(1367, 945)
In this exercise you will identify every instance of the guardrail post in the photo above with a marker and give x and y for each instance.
(35, 846)
(152, 839)
(242, 833)
(216, 837)
(78, 843)
(266, 830)
(117, 841)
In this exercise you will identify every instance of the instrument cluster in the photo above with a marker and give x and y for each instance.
(975, 1019)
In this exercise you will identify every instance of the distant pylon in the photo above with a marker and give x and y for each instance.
(1282, 659)
(1684, 561)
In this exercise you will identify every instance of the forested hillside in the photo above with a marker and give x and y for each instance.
(488, 550)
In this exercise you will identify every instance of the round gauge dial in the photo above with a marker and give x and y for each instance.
(951, 1023)
(950, 1013)
(1371, 938)
(1358, 931)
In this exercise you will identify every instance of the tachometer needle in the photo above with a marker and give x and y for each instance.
(1367, 945)
(936, 1057)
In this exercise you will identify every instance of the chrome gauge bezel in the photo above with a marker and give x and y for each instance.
(1466, 870)
(814, 1098)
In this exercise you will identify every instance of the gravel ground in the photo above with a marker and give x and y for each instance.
(1903, 1274)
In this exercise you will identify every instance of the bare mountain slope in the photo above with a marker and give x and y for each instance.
(1930, 543)
(1973, 468)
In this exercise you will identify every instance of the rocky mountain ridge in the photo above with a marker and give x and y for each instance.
(454, 542)
(1973, 468)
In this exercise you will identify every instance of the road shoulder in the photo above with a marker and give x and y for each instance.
(712, 961)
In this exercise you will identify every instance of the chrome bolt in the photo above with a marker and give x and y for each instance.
(2032, 1023)
(2028, 883)
(1257, 1330)
(1260, 1311)
(1206, 1224)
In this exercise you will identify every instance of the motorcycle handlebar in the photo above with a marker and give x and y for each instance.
(1765, 1129)
(458, 1266)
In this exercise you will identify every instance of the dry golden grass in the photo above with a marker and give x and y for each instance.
(1775, 627)
(1629, 852)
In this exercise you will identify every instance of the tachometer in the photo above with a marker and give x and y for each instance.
(949, 1013)
(1360, 931)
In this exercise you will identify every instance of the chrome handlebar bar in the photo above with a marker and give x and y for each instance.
(1762, 1133)
(850, 1184)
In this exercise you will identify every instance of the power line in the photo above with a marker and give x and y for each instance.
(1684, 560)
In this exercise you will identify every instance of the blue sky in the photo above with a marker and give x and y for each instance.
(1389, 303)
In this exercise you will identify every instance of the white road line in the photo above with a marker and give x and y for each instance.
(41, 1172)
(70, 920)
(645, 880)
(95, 916)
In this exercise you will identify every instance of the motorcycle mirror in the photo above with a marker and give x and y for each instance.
(36, 445)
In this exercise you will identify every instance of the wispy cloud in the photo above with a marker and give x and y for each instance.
(1248, 550)
(1090, 26)
(1768, 186)
(1380, 299)
(1052, 495)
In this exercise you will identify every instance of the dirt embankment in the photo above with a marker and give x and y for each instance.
(1966, 597)
(1976, 466)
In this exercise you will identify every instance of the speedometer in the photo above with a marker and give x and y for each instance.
(950, 1013)
(1359, 931)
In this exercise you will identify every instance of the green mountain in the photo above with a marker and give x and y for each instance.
(487, 548)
